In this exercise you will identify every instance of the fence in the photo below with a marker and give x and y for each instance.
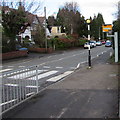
(19, 85)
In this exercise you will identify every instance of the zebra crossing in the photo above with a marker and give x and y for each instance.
(18, 85)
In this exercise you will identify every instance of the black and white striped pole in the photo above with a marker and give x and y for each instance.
(89, 53)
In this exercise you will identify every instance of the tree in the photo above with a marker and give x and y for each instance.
(69, 17)
(14, 19)
(116, 24)
(51, 21)
(96, 26)
(39, 37)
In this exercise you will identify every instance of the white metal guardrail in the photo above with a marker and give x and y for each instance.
(19, 85)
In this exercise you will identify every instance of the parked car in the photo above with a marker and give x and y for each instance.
(98, 43)
(86, 45)
(108, 44)
(93, 43)
(103, 42)
(20, 48)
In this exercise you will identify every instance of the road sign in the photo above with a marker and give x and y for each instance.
(106, 28)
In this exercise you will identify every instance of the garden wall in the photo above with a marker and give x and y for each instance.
(14, 54)
(41, 50)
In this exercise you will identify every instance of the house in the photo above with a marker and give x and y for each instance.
(42, 21)
(33, 22)
(56, 31)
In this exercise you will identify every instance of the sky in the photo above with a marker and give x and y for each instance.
(88, 8)
(108, 8)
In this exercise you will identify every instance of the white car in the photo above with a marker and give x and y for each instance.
(93, 43)
(86, 45)
(99, 43)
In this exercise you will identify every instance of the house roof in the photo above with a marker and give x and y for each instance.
(41, 19)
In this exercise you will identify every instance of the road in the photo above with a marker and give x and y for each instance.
(66, 60)
(87, 93)
(51, 68)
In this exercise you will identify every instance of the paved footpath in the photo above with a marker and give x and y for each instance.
(87, 93)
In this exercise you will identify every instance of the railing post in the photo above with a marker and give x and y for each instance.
(37, 84)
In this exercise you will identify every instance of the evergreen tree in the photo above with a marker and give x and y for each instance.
(96, 26)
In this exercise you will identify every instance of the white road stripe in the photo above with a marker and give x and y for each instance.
(56, 78)
(26, 74)
(46, 66)
(5, 70)
(78, 65)
(14, 85)
(10, 66)
(43, 75)
(59, 67)
(31, 86)
(21, 66)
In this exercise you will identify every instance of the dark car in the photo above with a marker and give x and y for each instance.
(108, 44)
(20, 48)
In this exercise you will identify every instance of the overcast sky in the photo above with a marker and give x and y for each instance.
(87, 8)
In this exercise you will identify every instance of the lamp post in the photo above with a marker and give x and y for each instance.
(45, 30)
(89, 54)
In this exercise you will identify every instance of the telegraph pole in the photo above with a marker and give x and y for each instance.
(45, 29)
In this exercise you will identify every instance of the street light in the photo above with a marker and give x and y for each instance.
(45, 29)
(89, 55)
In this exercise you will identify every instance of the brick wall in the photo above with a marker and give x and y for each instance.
(14, 54)
(41, 50)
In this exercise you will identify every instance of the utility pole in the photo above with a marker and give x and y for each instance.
(45, 29)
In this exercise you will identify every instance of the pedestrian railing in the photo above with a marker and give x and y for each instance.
(18, 86)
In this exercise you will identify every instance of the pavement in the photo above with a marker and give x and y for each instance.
(86, 93)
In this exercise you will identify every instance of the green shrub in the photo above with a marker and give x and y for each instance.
(82, 42)
(6, 49)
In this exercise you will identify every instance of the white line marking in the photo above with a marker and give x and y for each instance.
(26, 74)
(14, 85)
(10, 66)
(78, 66)
(21, 66)
(72, 67)
(46, 66)
(49, 56)
(59, 67)
(56, 78)
(43, 75)
(5, 70)
(8, 102)
(31, 86)
(83, 62)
